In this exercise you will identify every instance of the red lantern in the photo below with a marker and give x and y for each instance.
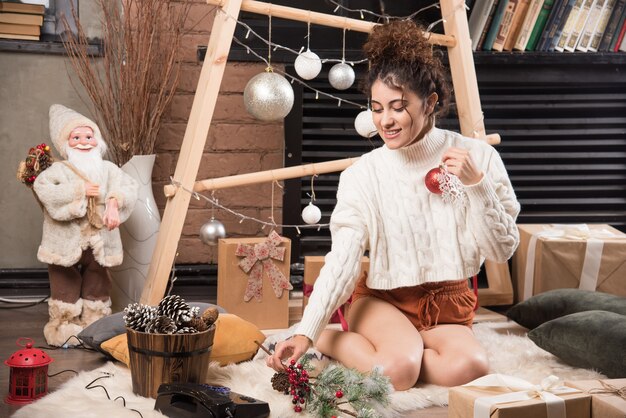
(29, 373)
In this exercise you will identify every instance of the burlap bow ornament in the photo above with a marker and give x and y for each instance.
(258, 258)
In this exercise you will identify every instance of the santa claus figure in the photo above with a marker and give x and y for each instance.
(85, 199)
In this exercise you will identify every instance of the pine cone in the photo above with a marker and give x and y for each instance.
(161, 325)
(210, 315)
(186, 330)
(138, 316)
(280, 382)
(198, 324)
(176, 308)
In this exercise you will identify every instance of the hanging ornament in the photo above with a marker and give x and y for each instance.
(212, 231)
(364, 124)
(268, 96)
(432, 181)
(341, 76)
(311, 214)
(308, 65)
(440, 181)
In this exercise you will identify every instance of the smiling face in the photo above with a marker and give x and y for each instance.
(401, 117)
(82, 139)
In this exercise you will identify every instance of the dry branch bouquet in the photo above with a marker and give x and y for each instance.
(132, 85)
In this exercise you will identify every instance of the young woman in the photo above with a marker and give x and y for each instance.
(412, 314)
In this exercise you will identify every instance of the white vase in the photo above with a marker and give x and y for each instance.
(139, 236)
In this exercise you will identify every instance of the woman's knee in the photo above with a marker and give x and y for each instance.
(467, 367)
(403, 371)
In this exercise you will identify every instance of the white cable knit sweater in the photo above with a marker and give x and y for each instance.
(413, 237)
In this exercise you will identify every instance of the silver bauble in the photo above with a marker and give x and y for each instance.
(364, 124)
(268, 96)
(212, 231)
(341, 76)
(311, 214)
(308, 65)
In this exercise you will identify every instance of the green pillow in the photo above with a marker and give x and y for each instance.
(560, 302)
(591, 340)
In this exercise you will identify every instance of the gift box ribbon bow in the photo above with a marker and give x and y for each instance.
(258, 258)
(521, 390)
(593, 253)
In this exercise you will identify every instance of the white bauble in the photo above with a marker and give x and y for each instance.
(212, 231)
(268, 96)
(341, 76)
(308, 65)
(311, 214)
(364, 124)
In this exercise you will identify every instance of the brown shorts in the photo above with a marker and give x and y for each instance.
(429, 304)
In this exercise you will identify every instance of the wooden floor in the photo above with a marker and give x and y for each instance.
(28, 322)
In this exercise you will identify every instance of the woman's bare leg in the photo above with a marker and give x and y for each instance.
(380, 335)
(452, 356)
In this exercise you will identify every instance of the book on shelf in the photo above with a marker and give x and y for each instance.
(558, 24)
(21, 19)
(622, 46)
(612, 26)
(540, 24)
(20, 37)
(579, 26)
(505, 25)
(603, 21)
(617, 40)
(557, 8)
(8, 6)
(534, 8)
(495, 25)
(569, 25)
(590, 26)
(483, 35)
(516, 24)
(11, 29)
(478, 19)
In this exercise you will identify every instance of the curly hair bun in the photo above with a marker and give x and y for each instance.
(400, 55)
(399, 40)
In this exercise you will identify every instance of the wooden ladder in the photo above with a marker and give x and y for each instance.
(456, 39)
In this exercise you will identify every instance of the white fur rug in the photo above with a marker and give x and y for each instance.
(509, 354)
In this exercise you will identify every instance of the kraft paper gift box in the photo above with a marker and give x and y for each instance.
(312, 266)
(590, 257)
(606, 402)
(264, 309)
(479, 399)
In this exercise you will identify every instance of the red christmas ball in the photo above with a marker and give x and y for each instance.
(339, 394)
(297, 408)
(431, 181)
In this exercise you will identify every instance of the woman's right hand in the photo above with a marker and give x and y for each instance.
(291, 349)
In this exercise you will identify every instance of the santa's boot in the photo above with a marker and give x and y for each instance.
(63, 323)
(94, 310)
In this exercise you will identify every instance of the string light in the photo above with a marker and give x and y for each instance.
(241, 216)
(276, 46)
(382, 16)
(296, 79)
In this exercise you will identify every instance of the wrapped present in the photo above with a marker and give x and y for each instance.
(312, 267)
(608, 397)
(501, 396)
(253, 279)
(589, 257)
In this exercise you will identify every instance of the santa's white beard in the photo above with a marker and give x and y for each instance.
(89, 163)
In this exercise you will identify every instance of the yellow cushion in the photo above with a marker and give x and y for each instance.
(233, 341)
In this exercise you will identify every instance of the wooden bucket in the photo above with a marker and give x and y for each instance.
(168, 358)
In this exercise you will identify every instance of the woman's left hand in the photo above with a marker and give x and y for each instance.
(459, 162)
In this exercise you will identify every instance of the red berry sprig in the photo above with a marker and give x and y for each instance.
(299, 386)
